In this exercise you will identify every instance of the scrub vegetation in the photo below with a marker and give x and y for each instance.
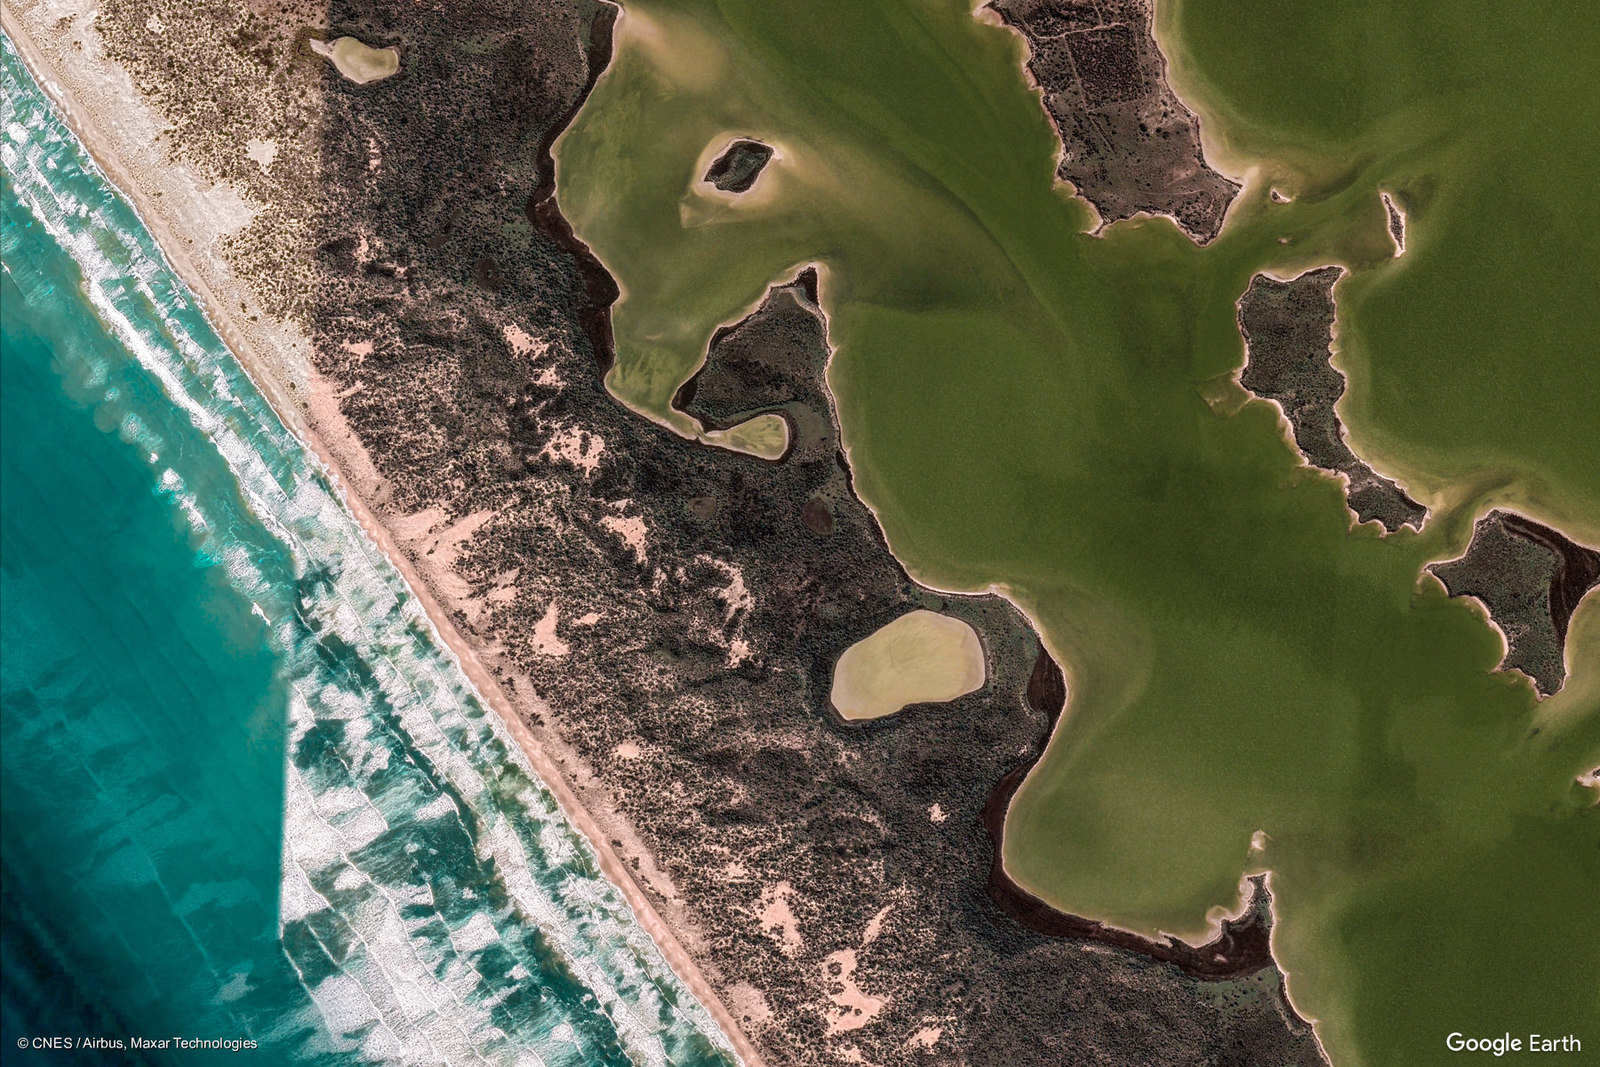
(1023, 397)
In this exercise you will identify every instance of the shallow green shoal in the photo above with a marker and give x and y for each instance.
(1022, 406)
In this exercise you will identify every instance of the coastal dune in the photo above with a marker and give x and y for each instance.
(192, 219)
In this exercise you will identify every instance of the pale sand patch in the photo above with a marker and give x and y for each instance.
(417, 525)
(749, 1004)
(523, 343)
(921, 657)
(505, 587)
(545, 641)
(627, 750)
(765, 437)
(854, 1007)
(579, 447)
(937, 814)
(263, 152)
(436, 545)
(875, 925)
(360, 349)
(927, 1037)
(358, 62)
(778, 918)
(588, 618)
(631, 529)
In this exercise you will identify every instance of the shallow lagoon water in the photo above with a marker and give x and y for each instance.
(248, 793)
(1023, 408)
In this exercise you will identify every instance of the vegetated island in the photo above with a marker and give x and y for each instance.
(1397, 223)
(1530, 579)
(738, 167)
(1288, 333)
(1129, 145)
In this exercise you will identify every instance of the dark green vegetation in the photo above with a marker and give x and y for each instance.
(1128, 144)
(1530, 578)
(1288, 328)
(1023, 407)
(737, 169)
(742, 781)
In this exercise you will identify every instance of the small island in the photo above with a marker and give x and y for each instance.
(1288, 334)
(1530, 579)
(739, 165)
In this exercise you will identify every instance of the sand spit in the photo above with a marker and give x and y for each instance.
(86, 87)
(1529, 579)
(1129, 145)
(1288, 336)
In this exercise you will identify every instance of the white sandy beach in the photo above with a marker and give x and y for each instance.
(186, 215)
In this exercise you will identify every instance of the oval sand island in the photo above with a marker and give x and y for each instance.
(921, 657)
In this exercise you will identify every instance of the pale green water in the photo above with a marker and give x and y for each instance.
(1021, 406)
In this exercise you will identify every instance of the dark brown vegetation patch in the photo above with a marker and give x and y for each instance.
(1288, 333)
(1530, 578)
(1128, 143)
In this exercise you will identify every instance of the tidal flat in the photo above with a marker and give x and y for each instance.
(1254, 683)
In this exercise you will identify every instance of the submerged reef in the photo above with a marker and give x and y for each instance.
(1129, 145)
(1288, 333)
(738, 167)
(1530, 578)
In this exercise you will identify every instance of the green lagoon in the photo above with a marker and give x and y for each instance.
(1023, 408)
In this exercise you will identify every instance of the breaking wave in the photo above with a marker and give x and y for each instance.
(435, 904)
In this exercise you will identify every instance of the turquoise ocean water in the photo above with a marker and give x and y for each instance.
(247, 794)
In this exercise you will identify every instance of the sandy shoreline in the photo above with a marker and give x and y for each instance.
(268, 370)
